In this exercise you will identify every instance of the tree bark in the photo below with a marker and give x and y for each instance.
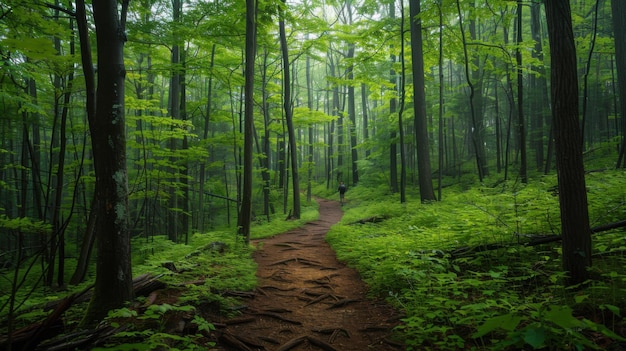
(568, 143)
(427, 192)
(618, 8)
(393, 144)
(90, 105)
(289, 117)
(351, 103)
(245, 211)
(113, 285)
(521, 130)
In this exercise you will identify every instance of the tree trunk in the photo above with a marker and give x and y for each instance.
(393, 144)
(521, 130)
(568, 142)
(351, 103)
(90, 103)
(618, 8)
(289, 117)
(265, 162)
(364, 111)
(401, 109)
(184, 170)
(174, 109)
(113, 285)
(441, 99)
(205, 135)
(245, 211)
(419, 105)
(309, 91)
(539, 91)
(476, 129)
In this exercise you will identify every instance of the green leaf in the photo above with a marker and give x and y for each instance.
(580, 298)
(507, 322)
(612, 308)
(562, 316)
(535, 337)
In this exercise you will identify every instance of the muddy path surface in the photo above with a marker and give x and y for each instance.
(307, 300)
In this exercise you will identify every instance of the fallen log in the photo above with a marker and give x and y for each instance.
(29, 337)
(373, 219)
(544, 239)
(535, 240)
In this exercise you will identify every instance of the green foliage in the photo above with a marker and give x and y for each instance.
(459, 269)
(308, 212)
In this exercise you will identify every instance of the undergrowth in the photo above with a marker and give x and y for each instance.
(203, 280)
(460, 271)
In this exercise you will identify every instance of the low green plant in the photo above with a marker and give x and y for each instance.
(462, 275)
(149, 330)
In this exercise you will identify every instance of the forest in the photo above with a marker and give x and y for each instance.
(482, 143)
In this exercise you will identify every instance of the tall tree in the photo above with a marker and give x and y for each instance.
(351, 101)
(568, 142)
(289, 113)
(419, 105)
(401, 109)
(174, 110)
(309, 101)
(476, 129)
(113, 285)
(89, 236)
(618, 8)
(538, 89)
(245, 211)
(393, 101)
(520, 98)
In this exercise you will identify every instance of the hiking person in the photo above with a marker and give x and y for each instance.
(342, 191)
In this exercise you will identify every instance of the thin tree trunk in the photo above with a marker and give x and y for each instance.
(364, 111)
(244, 218)
(520, 99)
(90, 103)
(401, 109)
(393, 146)
(618, 8)
(309, 91)
(205, 135)
(441, 92)
(289, 117)
(475, 133)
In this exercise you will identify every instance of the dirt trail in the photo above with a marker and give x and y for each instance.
(307, 300)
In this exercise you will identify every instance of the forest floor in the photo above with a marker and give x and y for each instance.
(307, 300)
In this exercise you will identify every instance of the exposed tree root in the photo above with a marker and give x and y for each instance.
(286, 246)
(271, 287)
(333, 332)
(297, 260)
(301, 339)
(320, 343)
(270, 340)
(279, 317)
(321, 298)
(246, 294)
(292, 343)
(240, 320)
(392, 343)
(278, 310)
(342, 303)
(373, 329)
(232, 340)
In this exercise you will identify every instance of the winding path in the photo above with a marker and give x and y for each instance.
(307, 300)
